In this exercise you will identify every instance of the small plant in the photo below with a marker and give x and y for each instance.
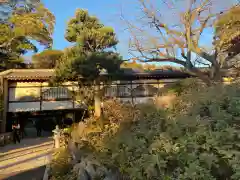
(60, 166)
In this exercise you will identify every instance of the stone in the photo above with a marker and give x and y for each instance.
(101, 171)
(91, 170)
(83, 174)
(115, 175)
(77, 167)
(111, 176)
(92, 167)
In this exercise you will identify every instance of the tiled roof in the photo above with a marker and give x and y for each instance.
(17, 74)
(45, 74)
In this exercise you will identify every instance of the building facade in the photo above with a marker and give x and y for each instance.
(28, 91)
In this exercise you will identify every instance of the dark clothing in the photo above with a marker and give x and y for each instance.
(39, 131)
(38, 125)
(22, 128)
(16, 133)
(16, 137)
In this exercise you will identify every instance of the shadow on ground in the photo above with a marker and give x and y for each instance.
(25, 143)
(43, 154)
(33, 174)
(26, 160)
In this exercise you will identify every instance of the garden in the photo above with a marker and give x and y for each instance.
(196, 137)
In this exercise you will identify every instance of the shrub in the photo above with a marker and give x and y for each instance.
(197, 139)
(60, 167)
(220, 102)
(115, 114)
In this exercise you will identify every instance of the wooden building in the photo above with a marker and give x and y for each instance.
(28, 91)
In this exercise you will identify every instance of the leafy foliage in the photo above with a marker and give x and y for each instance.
(148, 67)
(88, 67)
(7, 7)
(47, 59)
(88, 33)
(227, 31)
(60, 166)
(115, 113)
(20, 28)
(89, 56)
(197, 139)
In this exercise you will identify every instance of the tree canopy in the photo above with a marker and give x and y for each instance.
(47, 59)
(7, 7)
(88, 56)
(227, 31)
(20, 28)
(89, 33)
(88, 67)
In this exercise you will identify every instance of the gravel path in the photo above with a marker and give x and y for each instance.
(25, 161)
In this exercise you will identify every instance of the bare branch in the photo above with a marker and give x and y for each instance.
(173, 60)
(165, 46)
(200, 62)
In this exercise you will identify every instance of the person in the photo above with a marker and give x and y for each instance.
(38, 127)
(15, 130)
(22, 128)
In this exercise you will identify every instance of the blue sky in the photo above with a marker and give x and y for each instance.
(107, 11)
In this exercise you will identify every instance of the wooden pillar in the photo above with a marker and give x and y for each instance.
(41, 98)
(5, 105)
(2, 103)
(132, 92)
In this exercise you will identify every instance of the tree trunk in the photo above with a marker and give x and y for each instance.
(97, 100)
(201, 75)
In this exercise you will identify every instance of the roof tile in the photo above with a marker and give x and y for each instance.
(28, 74)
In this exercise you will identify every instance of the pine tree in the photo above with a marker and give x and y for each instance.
(89, 56)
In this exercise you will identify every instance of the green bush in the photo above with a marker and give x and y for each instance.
(60, 167)
(198, 138)
(115, 114)
(220, 102)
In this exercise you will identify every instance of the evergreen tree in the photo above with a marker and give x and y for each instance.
(47, 59)
(7, 7)
(21, 26)
(88, 56)
(89, 34)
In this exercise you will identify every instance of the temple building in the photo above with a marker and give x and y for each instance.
(27, 93)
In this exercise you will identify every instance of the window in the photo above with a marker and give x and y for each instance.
(56, 93)
(110, 91)
(124, 90)
(23, 94)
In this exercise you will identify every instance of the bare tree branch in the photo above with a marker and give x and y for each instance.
(171, 40)
(173, 60)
